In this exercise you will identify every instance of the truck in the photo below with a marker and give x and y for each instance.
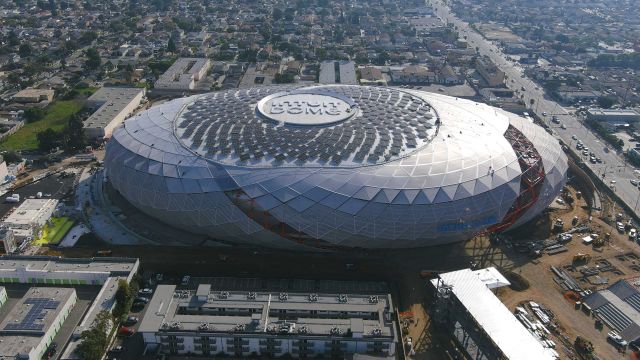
(14, 198)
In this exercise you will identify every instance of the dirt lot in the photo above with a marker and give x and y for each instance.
(544, 290)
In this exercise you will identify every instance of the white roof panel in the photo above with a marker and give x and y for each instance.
(511, 337)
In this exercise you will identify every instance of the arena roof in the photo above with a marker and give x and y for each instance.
(267, 127)
(358, 164)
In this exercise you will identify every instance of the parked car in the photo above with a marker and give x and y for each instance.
(116, 349)
(145, 291)
(126, 331)
(617, 339)
(620, 227)
(634, 182)
(131, 320)
(142, 299)
(185, 280)
(633, 234)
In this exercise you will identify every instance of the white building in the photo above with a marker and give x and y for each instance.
(183, 75)
(620, 116)
(113, 105)
(26, 220)
(479, 322)
(338, 72)
(104, 272)
(30, 326)
(8, 240)
(207, 322)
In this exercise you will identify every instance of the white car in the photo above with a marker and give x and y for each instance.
(613, 336)
(145, 291)
(634, 182)
(620, 227)
(633, 234)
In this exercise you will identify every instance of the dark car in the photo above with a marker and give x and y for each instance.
(131, 320)
(142, 299)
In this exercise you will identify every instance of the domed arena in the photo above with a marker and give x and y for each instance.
(334, 167)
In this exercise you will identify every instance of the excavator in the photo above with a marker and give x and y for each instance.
(581, 258)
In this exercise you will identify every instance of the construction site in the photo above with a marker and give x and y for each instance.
(578, 246)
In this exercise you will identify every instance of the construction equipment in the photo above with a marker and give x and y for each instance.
(558, 226)
(581, 258)
(598, 241)
(583, 346)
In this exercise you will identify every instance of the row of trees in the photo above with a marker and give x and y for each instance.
(94, 341)
(71, 137)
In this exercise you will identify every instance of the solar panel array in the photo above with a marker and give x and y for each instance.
(226, 127)
(34, 318)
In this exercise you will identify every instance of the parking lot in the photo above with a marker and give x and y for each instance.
(53, 186)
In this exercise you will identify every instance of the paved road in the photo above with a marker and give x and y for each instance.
(613, 164)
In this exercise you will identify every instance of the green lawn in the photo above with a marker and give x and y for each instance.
(56, 118)
(53, 234)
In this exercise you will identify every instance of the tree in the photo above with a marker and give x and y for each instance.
(93, 342)
(33, 114)
(25, 50)
(93, 59)
(124, 298)
(87, 37)
(73, 134)
(382, 58)
(172, 47)
(605, 102)
(47, 139)
(13, 39)
(280, 78)
(53, 8)
(12, 157)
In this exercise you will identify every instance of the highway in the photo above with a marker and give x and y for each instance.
(613, 165)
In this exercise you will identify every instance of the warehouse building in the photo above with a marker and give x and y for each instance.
(618, 306)
(33, 95)
(338, 72)
(183, 75)
(50, 270)
(26, 220)
(9, 244)
(619, 116)
(478, 321)
(207, 322)
(112, 105)
(30, 326)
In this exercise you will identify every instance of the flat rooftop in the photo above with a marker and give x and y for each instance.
(26, 93)
(114, 100)
(258, 312)
(29, 210)
(115, 266)
(506, 332)
(614, 112)
(30, 319)
(180, 74)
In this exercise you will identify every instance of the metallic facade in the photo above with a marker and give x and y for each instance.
(378, 167)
